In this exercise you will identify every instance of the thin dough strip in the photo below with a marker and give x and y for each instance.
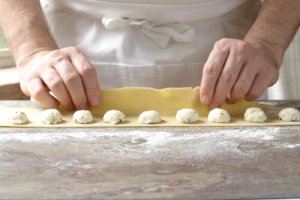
(133, 101)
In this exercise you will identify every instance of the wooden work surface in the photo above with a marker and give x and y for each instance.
(150, 163)
(9, 85)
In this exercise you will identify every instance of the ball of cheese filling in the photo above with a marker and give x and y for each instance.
(289, 115)
(149, 117)
(82, 117)
(51, 116)
(255, 114)
(187, 116)
(17, 118)
(218, 115)
(114, 117)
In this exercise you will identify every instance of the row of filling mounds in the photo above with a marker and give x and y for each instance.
(185, 116)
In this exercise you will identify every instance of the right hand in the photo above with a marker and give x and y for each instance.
(238, 69)
(66, 73)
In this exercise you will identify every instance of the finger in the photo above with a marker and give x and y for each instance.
(56, 85)
(73, 83)
(258, 87)
(40, 93)
(243, 83)
(211, 72)
(24, 88)
(227, 79)
(88, 76)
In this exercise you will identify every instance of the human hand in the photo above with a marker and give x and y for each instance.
(238, 69)
(66, 73)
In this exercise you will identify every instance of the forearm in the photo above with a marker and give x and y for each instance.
(275, 26)
(25, 28)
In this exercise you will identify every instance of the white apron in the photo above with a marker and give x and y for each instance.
(288, 84)
(153, 43)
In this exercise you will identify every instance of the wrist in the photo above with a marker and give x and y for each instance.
(22, 59)
(272, 52)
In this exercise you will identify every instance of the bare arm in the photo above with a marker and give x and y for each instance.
(25, 28)
(276, 25)
(42, 66)
(239, 69)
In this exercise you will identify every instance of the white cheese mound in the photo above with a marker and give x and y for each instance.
(82, 117)
(255, 114)
(114, 117)
(51, 116)
(187, 116)
(218, 115)
(149, 117)
(289, 115)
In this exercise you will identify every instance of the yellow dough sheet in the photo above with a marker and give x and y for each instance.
(133, 101)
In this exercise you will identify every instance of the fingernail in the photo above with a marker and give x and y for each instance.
(95, 100)
(84, 107)
(205, 99)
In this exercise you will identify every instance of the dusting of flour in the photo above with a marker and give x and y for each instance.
(181, 143)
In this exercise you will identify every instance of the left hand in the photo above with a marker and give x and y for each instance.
(237, 69)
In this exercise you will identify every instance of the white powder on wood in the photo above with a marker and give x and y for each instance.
(180, 143)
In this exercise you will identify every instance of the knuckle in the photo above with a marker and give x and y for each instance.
(242, 47)
(71, 78)
(57, 56)
(74, 50)
(54, 83)
(55, 53)
(226, 78)
(59, 59)
(221, 44)
(210, 69)
(87, 71)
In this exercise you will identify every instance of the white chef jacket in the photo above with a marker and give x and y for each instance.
(152, 43)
